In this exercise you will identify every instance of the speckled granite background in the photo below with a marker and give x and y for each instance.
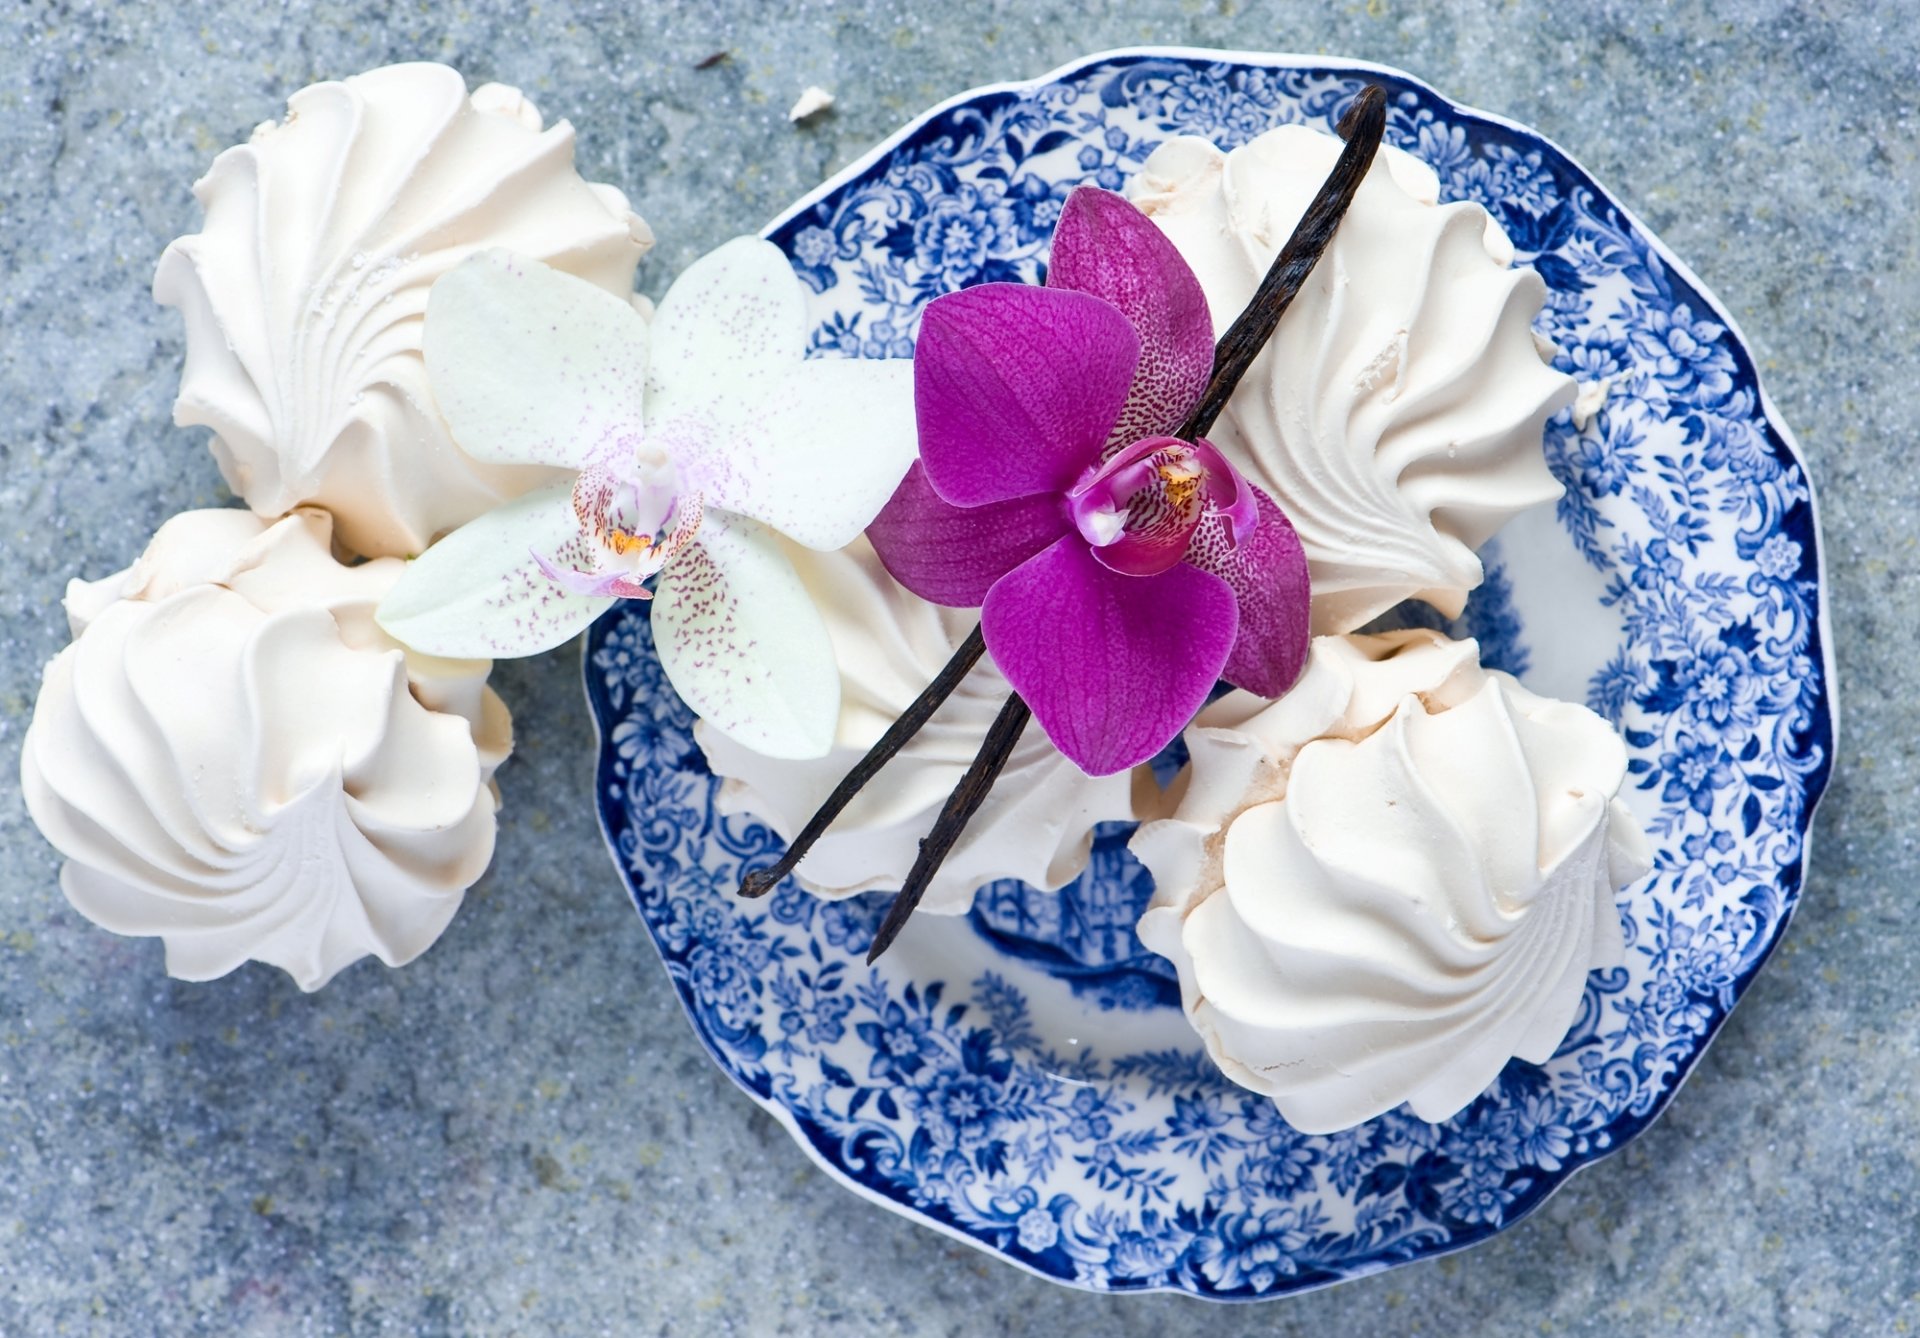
(518, 1133)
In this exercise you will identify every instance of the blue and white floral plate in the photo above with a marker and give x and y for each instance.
(1023, 1078)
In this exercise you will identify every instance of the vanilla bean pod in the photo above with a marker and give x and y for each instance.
(761, 882)
(962, 804)
(1362, 127)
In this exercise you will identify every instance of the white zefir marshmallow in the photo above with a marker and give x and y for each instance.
(305, 292)
(235, 759)
(1383, 886)
(1396, 414)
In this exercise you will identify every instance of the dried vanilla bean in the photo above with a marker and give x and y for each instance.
(1362, 128)
(962, 804)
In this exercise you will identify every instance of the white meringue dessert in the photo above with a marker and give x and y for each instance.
(1383, 886)
(305, 292)
(234, 758)
(1396, 415)
(1035, 825)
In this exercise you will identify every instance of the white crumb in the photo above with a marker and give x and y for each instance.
(813, 100)
(1589, 398)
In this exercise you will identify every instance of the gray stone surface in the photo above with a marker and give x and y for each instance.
(518, 1133)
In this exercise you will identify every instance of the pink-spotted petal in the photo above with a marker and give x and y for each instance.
(952, 555)
(1227, 491)
(480, 592)
(814, 454)
(735, 316)
(1267, 572)
(1104, 246)
(811, 447)
(744, 644)
(532, 366)
(1015, 388)
(1113, 666)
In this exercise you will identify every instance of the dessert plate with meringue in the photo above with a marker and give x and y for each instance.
(1567, 713)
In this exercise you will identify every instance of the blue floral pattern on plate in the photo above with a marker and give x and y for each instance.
(1022, 1077)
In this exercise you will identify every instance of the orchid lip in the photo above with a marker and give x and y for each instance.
(1139, 510)
(602, 584)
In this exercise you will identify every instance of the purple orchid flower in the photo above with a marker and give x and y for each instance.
(1120, 571)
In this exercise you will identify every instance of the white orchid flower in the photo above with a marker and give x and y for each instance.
(691, 441)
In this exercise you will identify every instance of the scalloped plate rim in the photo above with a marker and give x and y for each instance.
(1829, 705)
(1298, 60)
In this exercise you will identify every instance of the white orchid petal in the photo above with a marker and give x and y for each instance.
(735, 315)
(533, 366)
(743, 644)
(480, 594)
(815, 454)
(813, 448)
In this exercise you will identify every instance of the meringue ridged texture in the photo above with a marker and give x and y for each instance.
(305, 292)
(1035, 825)
(234, 758)
(1384, 885)
(1396, 415)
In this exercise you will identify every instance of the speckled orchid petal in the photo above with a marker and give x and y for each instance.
(1228, 494)
(533, 366)
(812, 448)
(952, 554)
(743, 644)
(480, 592)
(1113, 666)
(738, 303)
(1104, 246)
(1015, 388)
(1267, 572)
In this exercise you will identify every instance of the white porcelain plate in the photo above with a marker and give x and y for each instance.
(1022, 1078)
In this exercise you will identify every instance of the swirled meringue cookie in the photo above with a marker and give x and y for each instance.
(1037, 822)
(1396, 415)
(235, 758)
(1385, 884)
(306, 290)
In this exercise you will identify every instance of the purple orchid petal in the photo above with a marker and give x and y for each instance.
(1015, 388)
(1227, 492)
(952, 555)
(1139, 510)
(1113, 666)
(1105, 246)
(1267, 572)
